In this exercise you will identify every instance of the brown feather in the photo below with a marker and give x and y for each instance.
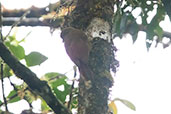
(77, 47)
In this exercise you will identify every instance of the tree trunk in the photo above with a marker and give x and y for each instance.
(94, 17)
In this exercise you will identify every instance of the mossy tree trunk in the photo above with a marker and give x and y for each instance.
(94, 17)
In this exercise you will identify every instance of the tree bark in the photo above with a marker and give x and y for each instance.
(95, 17)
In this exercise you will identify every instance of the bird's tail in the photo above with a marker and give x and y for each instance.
(85, 71)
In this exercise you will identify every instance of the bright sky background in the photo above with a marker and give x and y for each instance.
(144, 78)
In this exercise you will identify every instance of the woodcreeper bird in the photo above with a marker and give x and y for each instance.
(77, 47)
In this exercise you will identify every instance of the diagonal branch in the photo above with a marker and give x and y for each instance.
(39, 87)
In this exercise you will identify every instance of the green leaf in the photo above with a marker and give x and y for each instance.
(133, 30)
(17, 50)
(74, 103)
(52, 76)
(134, 37)
(159, 32)
(35, 58)
(7, 71)
(44, 106)
(123, 23)
(61, 94)
(148, 44)
(153, 28)
(55, 80)
(116, 23)
(126, 103)
(11, 38)
(12, 94)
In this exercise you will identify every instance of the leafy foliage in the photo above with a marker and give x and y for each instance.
(6, 71)
(35, 58)
(126, 103)
(113, 107)
(57, 81)
(59, 85)
(15, 99)
(15, 48)
(125, 20)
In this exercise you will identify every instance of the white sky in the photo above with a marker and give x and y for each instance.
(144, 78)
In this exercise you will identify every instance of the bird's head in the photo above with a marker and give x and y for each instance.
(66, 31)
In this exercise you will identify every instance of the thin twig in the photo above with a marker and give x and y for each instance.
(12, 84)
(17, 22)
(2, 64)
(72, 87)
(2, 84)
